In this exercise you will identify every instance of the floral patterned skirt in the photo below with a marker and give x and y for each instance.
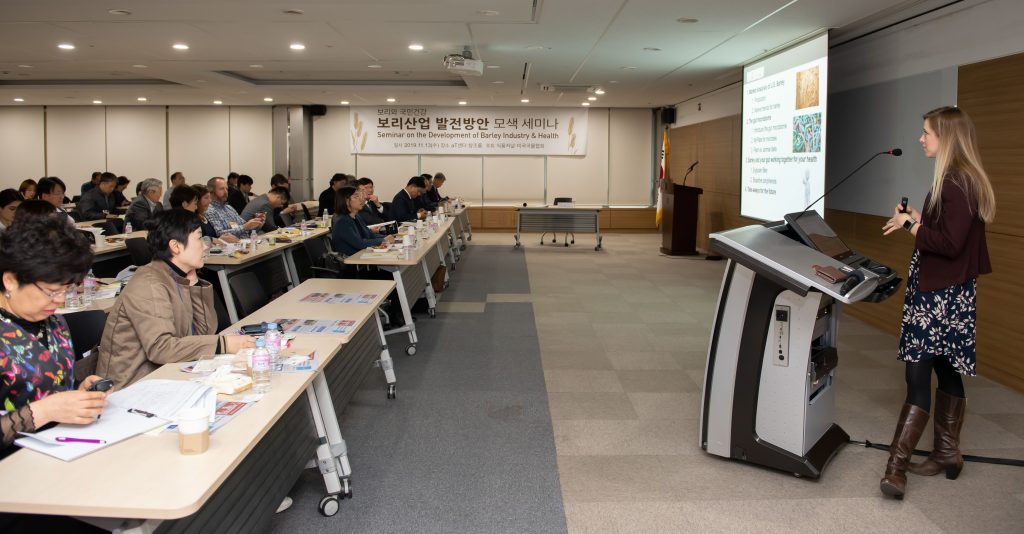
(939, 323)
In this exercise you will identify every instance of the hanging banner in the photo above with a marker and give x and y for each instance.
(468, 131)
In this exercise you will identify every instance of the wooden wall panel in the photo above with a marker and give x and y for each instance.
(503, 218)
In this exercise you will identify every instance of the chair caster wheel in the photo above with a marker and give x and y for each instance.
(391, 391)
(432, 312)
(410, 350)
(329, 505)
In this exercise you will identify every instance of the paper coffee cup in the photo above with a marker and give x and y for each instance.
(193, 431)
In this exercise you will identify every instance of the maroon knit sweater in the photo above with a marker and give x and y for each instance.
(952, 244)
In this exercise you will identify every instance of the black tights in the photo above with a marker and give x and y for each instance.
(919, 381)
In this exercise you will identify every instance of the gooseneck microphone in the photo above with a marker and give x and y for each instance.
(688, 171)
(892, 152)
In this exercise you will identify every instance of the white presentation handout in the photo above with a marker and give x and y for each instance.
(138, 408)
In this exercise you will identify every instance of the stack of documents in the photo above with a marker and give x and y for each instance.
(138, 408)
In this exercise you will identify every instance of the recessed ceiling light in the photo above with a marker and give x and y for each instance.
(179, 46)
(584, 103)
(628, 67)
(613, 81)
(494, 66)
(255, 66)
(591, 98)
(140, 66)
(416, 47)
(374, 66)
(538, 47)
(497, 82)
(599, 91)
(218, 102)
(268, 99)
(19, 99)
(651, 49)
(344, 102)
(462, 102)
(293, 12)
(525, 100)
(391, 100)
(97, 101)
(488, 12)
(686, 20)
(119, 12)
(200, 81)
(142, 99)
(297, 46)
(66, 46)
(24, 66)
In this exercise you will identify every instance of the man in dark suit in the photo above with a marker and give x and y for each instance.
(434, 194)
(403, 207)
(372, 212)
(330, 195)
(98, 202)
(238, 197)
(424, 202)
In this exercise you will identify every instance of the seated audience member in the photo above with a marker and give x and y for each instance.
(28, 189)
(165, 313)
(266, 204)
(434, 194)
(202, 203)
(373, 210)
(51, 190)
(40, 209)
(185, 197)
(9, 202)
(424, 201)
(223, 217)
(232, 180)
(329, 196)
(403, 207)
(120, 200)
(146, 205)
(236, 197)
(244, 195)
(92, 183)
(350, 234)
(40, 259)
(98, 202)
(176, 179)
(284, 210)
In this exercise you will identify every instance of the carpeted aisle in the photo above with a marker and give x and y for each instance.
(468, 445)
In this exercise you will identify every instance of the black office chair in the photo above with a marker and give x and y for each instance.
(249, 292)
(111, 226)
(86, 329)
(74, 199)
(324, 263)
(554, 236)
(89, 235)
(305, 211)
(385, 209)
(138, 249)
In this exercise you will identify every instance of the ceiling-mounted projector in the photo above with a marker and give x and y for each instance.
(462, 65)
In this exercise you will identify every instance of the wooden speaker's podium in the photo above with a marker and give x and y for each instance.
(679, 219)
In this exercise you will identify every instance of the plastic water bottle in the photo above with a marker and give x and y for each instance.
(252, 240)
(128, 227)
(89, 285)
(326, 218)
(261, 362)
(303, 228)
(272, 338)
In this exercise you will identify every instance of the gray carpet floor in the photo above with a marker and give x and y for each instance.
(468, 444)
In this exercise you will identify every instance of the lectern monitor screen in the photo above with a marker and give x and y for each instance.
(816, 233)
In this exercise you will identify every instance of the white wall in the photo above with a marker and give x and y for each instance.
(616, 170)
(22, 154)
(204, 141)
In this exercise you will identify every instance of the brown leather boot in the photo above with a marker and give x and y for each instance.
(949, 419)
(908, 430)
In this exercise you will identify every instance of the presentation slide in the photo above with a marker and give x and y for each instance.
(783, 168)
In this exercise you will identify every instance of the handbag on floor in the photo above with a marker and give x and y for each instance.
(437, 280)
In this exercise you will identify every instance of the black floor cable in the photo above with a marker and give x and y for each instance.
(967, 457)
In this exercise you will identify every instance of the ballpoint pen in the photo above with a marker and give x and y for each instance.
(63, 439)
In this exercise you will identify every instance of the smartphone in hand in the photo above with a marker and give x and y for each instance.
(903, 204)
(102, 384)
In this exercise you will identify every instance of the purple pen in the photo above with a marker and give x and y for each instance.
(63, 439)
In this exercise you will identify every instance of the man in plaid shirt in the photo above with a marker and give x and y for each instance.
(223, 217)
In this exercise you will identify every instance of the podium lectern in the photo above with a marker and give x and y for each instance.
(679, 219)
(769, 384)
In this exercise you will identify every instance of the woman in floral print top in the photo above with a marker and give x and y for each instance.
(39, 260)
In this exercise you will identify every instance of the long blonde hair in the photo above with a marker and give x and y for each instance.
(958, 155)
